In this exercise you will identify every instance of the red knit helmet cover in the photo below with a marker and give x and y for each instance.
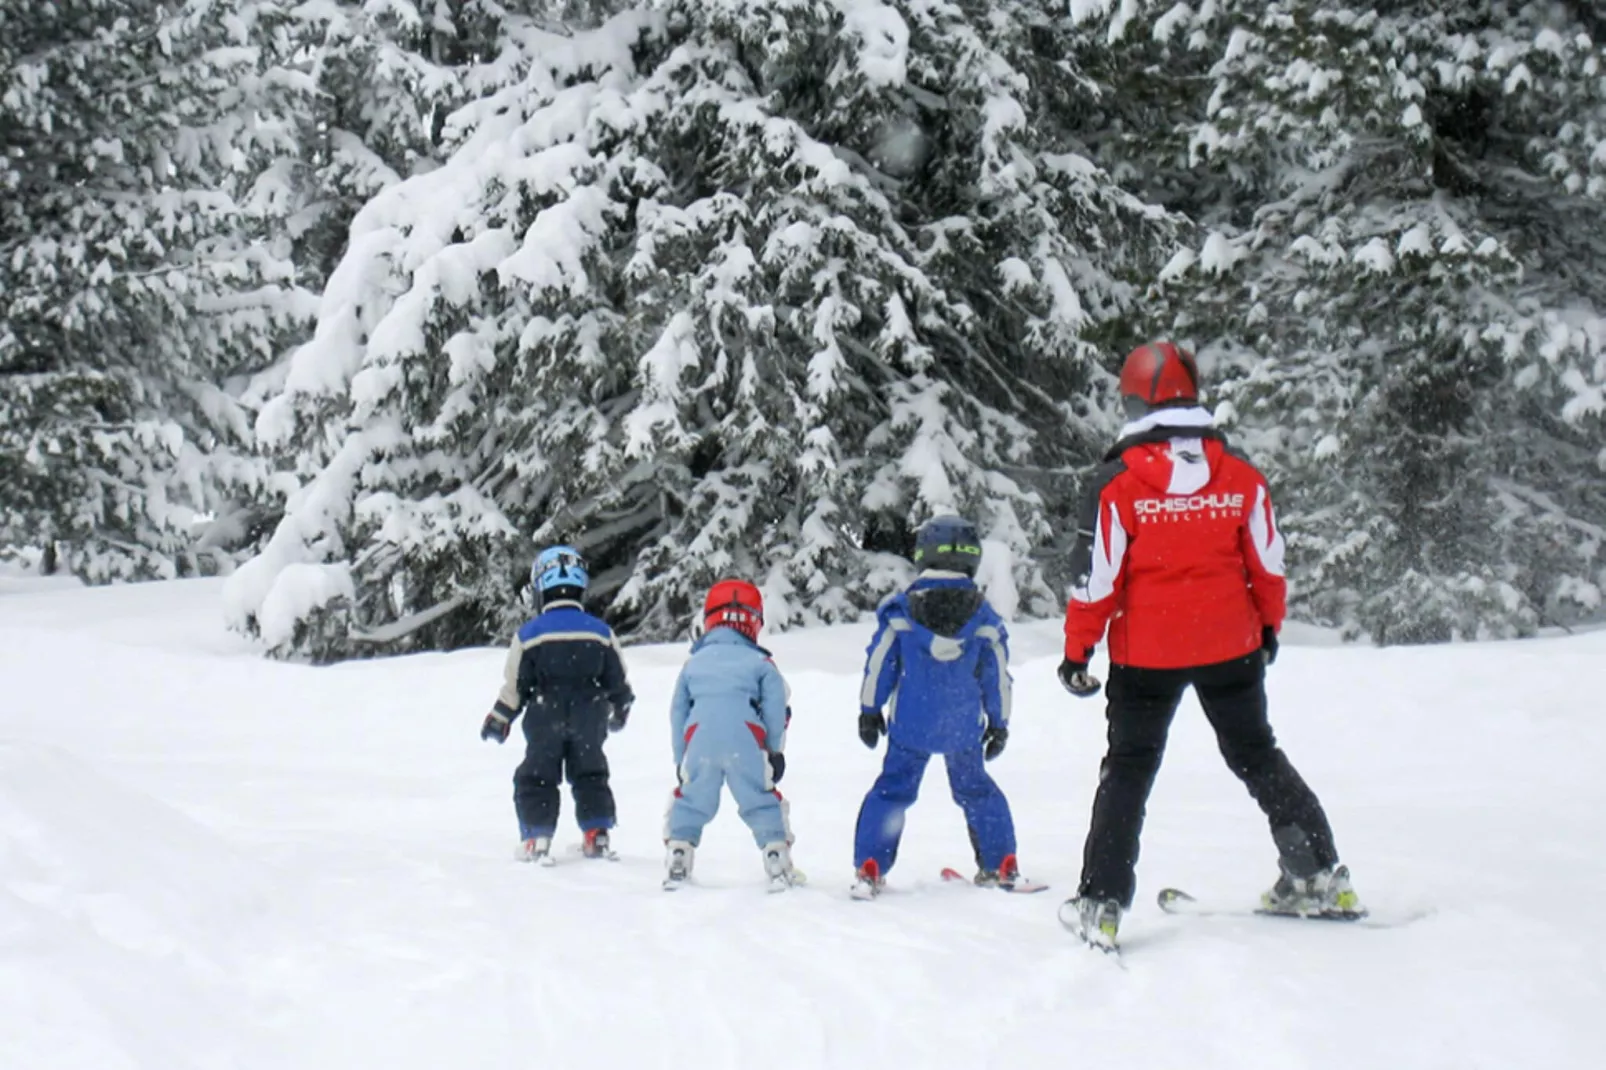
(734, 604)
(1160, 372)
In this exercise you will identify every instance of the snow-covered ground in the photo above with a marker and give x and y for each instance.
(212, 860)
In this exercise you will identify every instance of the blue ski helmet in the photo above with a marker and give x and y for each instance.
(948, 543)
(559, 573)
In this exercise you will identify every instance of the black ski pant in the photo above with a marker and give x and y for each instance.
(1142, 703)
(563, 739)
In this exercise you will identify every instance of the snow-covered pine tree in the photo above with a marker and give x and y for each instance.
(141, 288)
(386, 77)
(740, 287)
(1398, 282)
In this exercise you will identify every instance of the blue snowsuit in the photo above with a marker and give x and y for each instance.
(939, 663)
(728, 716)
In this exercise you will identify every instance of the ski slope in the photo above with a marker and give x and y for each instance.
(212, 860)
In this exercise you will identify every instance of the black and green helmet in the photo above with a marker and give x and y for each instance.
(950, 544)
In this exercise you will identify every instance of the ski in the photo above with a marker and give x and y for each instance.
(579, 851)
(1178, 902)
(796, 878)
(1020, 887)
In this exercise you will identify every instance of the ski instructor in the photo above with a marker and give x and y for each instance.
(1179, 553)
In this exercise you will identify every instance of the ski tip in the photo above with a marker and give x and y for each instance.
(950, 874)
(1170, 896)
(1067, 916)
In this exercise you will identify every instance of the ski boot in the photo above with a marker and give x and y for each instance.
(1096, 921)
(537, 849)
(868, 881)
(1005, 876)
(596, 844)
(678, 863)
(1326, 894)
(778, 866)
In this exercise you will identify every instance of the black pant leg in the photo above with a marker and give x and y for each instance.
(587, 766)
(1141, 705)
(537, 779)
(1233, 695)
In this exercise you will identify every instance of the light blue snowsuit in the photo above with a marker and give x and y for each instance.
(729, 714)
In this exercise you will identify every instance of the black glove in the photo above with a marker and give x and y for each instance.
(777, 766)
(1268, 644)
(872, 726)
(1075, 678)
(617, 720)
(993, 741)
(496, 727)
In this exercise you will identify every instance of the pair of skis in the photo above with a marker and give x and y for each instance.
(1178, 902)
(1020, 886)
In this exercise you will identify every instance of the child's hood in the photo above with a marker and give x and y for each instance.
(950, 607)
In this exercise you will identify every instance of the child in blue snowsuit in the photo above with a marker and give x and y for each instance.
(939, 665)
(728, 727)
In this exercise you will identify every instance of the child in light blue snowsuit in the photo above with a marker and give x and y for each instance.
(728, 727)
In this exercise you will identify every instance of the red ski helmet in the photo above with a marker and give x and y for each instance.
(734, 604)
(1159, 374)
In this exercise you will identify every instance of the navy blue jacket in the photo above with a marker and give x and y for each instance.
(564, 661)
(939, 663)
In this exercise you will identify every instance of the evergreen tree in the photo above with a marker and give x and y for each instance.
(745, 287)
(386, 77)
(142, 287)
(1395, 277)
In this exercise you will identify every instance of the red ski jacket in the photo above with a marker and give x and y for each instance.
(1177, 550)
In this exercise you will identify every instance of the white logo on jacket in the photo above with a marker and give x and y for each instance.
(1178, 508)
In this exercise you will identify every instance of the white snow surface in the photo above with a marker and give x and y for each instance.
(209, 859)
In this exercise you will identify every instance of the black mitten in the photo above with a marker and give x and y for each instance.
(1075, 678)
(495, 727)
(872, 726)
